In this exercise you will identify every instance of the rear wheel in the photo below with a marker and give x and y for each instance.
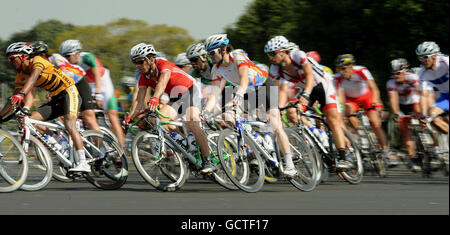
(13, 163)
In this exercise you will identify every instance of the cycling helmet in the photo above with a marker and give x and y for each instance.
(276, 44)
(69, 47)
(181, 60)
(195, 50)
(293, 46)
(344, 60)
(142, 50)
(427, 48)
(19, 47)
(399, 64)
(39, 47)
(128, 81)
(315, 55)
(215, 41)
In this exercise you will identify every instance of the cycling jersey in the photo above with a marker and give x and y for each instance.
(72, 70)
(21, 79)
(50, 79)
(256, 76)
(438, 78)
(205, 76)
(323, 90)
(89, 61)
(179, 81)
(358, 85)
(406, 90)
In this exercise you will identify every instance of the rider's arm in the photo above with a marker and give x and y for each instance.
(282, 94)
(29, 84)
(29, 98)
(393, 101)
(140, 98)
(98, 79)
(162, 83)
(424, 102)
(217, 88)
(375, 92)
(309, 81)
(244, 81)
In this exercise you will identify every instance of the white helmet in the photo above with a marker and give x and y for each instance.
(195, 50)
(142, 50)
(399, 64)
(69, 47)
(181, 59)
(215, 41)
(277, 43)
(128, 81)
(427, 48)
(19, 47)
(293, 46)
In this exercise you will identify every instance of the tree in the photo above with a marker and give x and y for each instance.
(374, 31)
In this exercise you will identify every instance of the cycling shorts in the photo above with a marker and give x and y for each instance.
(192, 97)
(66, 102)
(326, 96)
(442, 101)
(365, 101)
(86, 96)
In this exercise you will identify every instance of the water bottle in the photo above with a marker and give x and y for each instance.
(258, 138)
(315, 131)
(52, 142)
(324, 138)
(179, 139)
(192, 145)
(269, 142)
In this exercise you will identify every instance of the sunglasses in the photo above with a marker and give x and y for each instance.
(211, 53)
(139, 61)
(424, 57)
(194, 60)
(273, 53)
(13, 57)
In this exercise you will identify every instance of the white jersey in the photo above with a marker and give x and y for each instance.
(256, 76)
(407, 90)
(299, 59)
(437, 77)
(73, 71)
(358, 85)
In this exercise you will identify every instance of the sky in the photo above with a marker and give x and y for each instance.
(201, 18)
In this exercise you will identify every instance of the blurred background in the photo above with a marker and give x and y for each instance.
(375, 32)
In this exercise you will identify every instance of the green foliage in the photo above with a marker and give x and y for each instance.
(374, 31)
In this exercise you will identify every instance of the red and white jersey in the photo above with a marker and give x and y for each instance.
(406, 90)
(179, 81)
(358, 85)
(299, 59)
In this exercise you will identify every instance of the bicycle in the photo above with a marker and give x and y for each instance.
(13, 161)
(327, 152)
(108, 163)
(370, 149)
(163, 161)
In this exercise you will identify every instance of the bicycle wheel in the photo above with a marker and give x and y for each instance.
(355, 174)
(13, 163)
(165, 170)
(40, 166)
(219, 175)
(235, 157)
(304, 161)
(109, 167)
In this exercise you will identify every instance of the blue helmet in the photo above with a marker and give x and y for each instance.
(216, 41)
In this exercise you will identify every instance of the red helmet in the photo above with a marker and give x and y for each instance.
(315, 55)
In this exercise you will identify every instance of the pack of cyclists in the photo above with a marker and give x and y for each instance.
(210, 79)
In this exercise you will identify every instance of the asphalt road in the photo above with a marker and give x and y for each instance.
(402, 193)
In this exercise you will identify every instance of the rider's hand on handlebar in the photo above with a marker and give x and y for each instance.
(17, 98)
(153, 103)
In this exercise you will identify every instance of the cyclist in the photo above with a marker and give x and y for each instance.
(434, 71)
(126, 98)
(236, 68)
(99, 80)
(65, 98)
(357, 87)
(200, 62)
(165, 77)
(183, 62)
(295, 67)
(403, 92)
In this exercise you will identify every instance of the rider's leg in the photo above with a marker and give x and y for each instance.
(439, 122)
(116, 126)
(90, 119)
(350, 109)
(375, 122)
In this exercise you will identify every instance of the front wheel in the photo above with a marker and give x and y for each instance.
(161, 166)
(355, 174)
(13, 163)
(236, 156)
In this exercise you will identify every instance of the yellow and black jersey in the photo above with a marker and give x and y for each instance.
(51, 78)
(21, 79)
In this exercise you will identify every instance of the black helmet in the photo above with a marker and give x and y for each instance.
(39, 47)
